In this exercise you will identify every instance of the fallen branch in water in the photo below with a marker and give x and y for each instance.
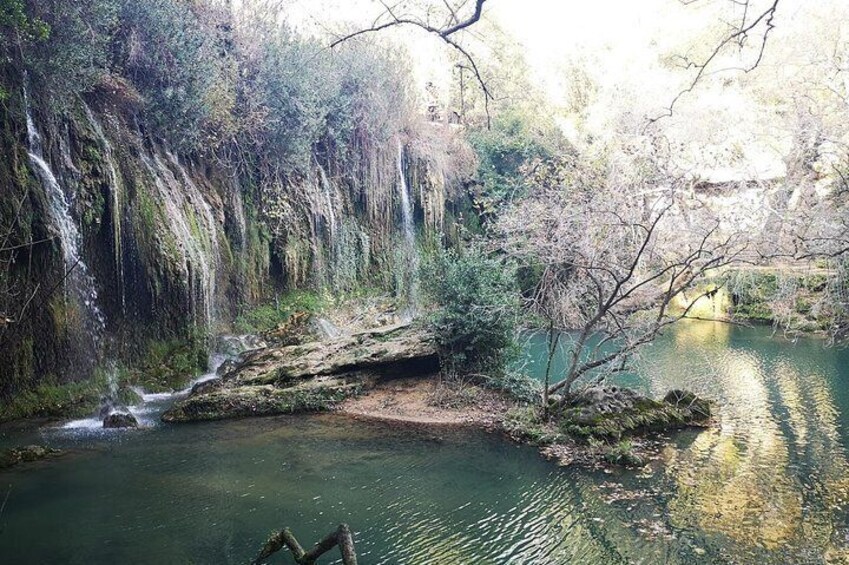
(341, 537)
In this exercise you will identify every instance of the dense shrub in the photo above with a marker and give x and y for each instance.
(477, 308)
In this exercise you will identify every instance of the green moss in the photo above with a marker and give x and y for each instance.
(171, 363)
(63, 400)
(755, 292)
(647, 415)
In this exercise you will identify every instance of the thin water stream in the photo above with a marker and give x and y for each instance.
(768, 485)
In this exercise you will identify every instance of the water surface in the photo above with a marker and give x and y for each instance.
(769, 485)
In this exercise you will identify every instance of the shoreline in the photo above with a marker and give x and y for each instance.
(411, 403)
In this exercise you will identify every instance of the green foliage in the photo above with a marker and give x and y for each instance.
(15, 20)
(269, 316)
(760, 296)
(477, 309)
(527, 424)
(76, 52)
(53, 399)
(620, 453)
(167, 51)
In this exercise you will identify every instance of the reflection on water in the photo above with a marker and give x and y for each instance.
(771, 481)
(769, 484)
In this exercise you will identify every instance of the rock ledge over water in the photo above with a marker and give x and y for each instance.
(311, 376)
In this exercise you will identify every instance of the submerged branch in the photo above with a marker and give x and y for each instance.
(285, 538)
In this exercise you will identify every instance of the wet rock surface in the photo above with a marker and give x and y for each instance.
(120, 420)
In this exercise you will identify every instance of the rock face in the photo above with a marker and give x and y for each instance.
(310, 376)
(120, 420)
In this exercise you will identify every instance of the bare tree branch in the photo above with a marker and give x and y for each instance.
(389, 18)
(739, 36)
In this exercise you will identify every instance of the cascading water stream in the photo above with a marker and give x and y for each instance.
(411, 251)
(207, 239)
(150, 406)
(327, 190)
(116, 190)
(195, 237)
(78, 280)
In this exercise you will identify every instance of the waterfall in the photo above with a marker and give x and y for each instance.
(116, 189)
(207, 237)
(408, 225)
(78, 279)
(192, 226)
(327, 190)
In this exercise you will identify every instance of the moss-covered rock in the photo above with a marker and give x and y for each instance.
(606, 414)
(611, 412)
(262, 400)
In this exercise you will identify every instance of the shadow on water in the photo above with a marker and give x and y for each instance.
(768, 485)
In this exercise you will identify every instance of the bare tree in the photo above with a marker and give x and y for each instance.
(616, 257)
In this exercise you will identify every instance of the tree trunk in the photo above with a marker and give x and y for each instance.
(552, 346)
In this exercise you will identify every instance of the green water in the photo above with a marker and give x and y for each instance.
(769, 485)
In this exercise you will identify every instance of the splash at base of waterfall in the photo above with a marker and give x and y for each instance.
(150, 407)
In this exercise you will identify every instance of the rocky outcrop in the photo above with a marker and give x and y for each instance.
(120, 420)
(611, 412)
(309, 376)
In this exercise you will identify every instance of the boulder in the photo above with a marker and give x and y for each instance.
(402, 348)
(596, 401)
(120, 420)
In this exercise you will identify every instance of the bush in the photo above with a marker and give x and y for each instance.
(504, 150)
(269, 316)
(477, 308)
